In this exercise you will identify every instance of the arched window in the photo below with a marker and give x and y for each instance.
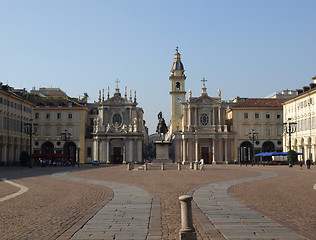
(177, 85)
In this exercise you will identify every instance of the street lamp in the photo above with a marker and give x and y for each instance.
(252, 137)
(65, 136)
(289, 127)
(30, 130)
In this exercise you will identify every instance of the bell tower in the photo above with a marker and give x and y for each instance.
(177, 93)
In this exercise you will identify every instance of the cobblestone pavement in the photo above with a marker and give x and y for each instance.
(53, 206)
(48, 208)
(126, 216)
(288, 199)
(234, 220)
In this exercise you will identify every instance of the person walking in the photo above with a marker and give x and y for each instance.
(202, 164)
(308, 163)
(301, 165)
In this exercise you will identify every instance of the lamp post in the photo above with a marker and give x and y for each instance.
(30, 130)
(252, 137)
(289, 128)
(65, 136)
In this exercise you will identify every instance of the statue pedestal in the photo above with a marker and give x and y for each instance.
(162, 152)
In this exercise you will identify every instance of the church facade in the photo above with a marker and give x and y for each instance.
(198, 124)
(119, 129)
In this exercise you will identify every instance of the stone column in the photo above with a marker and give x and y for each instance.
(220, 149)
(187, 231)
(196, 150)
(183, 150)
(214, 148)
(226, 151)
(196, 121)
(219, 120)
(108, 151)
(103, 151)
(189, 118)
(139, 151)
(130, 149)
(313, 151)
(95, 149)
(124, 152)
(213, 117)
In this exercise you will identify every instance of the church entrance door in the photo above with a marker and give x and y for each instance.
(117, 154)
(205, 154)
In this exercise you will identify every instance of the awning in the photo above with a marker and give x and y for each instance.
(269, 154)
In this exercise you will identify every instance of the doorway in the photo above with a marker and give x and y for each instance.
(117, 155)
(205, 154)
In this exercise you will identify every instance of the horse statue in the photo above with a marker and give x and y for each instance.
(162, 128)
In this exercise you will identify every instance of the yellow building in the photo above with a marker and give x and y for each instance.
(15, 112)
(258, 117)
(301, 110)
(56, 118)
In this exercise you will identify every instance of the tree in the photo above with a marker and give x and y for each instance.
(291, 157)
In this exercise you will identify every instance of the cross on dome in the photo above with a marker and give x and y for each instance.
(203, 80)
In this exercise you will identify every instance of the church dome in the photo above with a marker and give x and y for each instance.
(177, 64)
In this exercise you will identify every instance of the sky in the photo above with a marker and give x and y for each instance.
(246, 48)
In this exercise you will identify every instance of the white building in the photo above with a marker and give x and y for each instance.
(301, 110)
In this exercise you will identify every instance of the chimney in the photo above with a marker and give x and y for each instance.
(305, 88)
(312, 85)
(299, 91)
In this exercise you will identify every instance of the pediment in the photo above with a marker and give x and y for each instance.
(118, 100)
(206, 100)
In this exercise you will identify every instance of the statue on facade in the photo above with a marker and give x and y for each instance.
(162, 128)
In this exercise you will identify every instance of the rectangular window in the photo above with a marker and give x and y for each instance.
(257, 116)
(36, 115)
(48, 132)
(58, 131)
(58, 115)
(268, 131)
(70, 115)
(89, 152)
(47, 115)
(278, 115)
(279, 131)
(267, 115)
(246, 131)
(246, 116)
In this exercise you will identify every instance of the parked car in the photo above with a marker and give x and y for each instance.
(96, 163)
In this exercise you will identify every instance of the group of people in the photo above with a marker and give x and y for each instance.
(308, 164)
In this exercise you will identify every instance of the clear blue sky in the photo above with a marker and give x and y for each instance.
(245, 48)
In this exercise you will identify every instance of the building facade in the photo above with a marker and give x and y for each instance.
(15, 112)
(58, 117)
(257, 124)
(300, 111)
(119, 129)
(198, 126)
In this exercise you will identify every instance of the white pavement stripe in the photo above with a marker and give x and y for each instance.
(235, 220)
(22, 190)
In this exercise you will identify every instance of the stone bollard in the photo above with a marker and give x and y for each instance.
(145, 167)
(191, 165)
(187, 231)
(130, 166)
(196, 166)
(162, 166)
(179, 166)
